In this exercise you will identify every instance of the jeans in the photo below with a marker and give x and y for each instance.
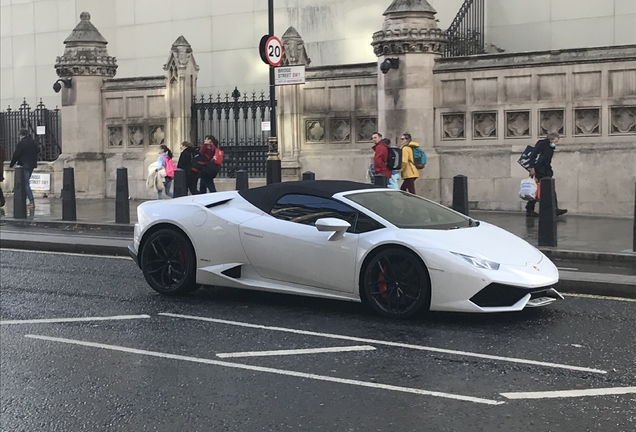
(27, 185)
(206, 184)
(166, 186)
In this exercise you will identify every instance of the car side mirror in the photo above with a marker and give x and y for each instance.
(337, 226)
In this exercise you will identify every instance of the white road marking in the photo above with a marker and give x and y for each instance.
(394, 344)
(296, 351)
(67, 253)
(591, 296)
(571, 393)
(567, 269)
(66, 320)
(270, 370)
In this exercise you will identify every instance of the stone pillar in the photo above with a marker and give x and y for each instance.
(181, 84)
(290, 108)
(406, 94)
(82, 70)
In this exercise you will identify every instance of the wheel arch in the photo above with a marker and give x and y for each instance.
(165, 225)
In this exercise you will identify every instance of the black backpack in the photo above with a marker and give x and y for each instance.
(394, 161)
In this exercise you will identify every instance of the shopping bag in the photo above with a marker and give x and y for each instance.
(528, 190)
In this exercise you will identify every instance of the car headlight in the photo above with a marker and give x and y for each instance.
(478, 262)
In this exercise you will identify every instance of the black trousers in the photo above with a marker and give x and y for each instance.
(530, 205)
(192, 179)
(2, 201)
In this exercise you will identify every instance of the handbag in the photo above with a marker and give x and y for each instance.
(524, 159)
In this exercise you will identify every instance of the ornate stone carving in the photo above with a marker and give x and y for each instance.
(623, 120)
(454, 126)
(517, 124)
(294, 49)
(340, 130)
(157, 135)
(409, 27)
(365, 127)
(180, 57)
(115, 136)
(485, 125)
(135, 135)
(85, 52)
(551, 121)
(587, 121)
(315, 130)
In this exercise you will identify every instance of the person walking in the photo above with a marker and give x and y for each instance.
(409, 171)
(185, 163)
(541, 166)
(208, 169)
(2, 200)
(381, 155)
(166, 163)
(26, 155)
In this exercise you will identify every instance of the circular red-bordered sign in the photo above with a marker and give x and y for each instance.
(274, 51)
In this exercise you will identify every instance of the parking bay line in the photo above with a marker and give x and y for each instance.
(388, 343)
(66, 320)
(571, 393)
(296, 351)
(270, 370)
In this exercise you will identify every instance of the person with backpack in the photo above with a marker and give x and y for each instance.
(207, 163)
(26, 155)
(540, 166)
(166, 163)
(186, 158)
(413, 160)
(381, 155)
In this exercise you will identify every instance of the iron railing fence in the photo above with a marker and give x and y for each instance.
(237, 122)
(466, 32)
(49, 143)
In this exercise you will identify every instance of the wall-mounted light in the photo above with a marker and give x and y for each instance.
(67, 84)
(389, 63)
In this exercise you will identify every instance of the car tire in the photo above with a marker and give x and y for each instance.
(168, 262)
(396, 284)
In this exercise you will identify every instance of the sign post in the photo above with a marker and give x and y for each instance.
(274, 54)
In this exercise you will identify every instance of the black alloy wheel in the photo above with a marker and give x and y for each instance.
(168, 263)
(396, 283)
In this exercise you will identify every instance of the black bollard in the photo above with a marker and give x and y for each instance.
(380, 180)
(547, 213)
(69, 207)
(242, 181)
(634, 217)
(180, 183)
(19, 194)
(460, 194)
(308, 175)
(122, 205)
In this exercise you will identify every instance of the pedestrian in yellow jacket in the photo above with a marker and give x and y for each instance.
(409, 171)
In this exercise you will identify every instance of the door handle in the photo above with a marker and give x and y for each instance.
(253, 233)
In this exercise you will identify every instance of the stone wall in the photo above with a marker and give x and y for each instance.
(489, 108)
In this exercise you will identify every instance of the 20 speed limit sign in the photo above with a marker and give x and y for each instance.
(274, 51)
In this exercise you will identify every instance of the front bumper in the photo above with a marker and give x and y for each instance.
(133, 253)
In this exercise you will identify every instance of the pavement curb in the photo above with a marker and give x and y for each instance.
(590, 255)
(70, 225)
(70, 247)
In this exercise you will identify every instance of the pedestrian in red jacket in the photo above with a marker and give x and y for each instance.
(381, 155)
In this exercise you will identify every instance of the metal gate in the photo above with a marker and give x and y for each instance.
(12, 121)
(236, 121)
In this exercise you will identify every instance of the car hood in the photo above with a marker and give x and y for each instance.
(484, 241)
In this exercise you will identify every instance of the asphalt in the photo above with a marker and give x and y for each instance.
(595, 254)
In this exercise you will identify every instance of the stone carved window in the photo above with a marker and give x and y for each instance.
(157, 135)
(484, 125)
(115, 136)
(551, 121)
(365, 127)
(587, 121)
(453, 126)
(340, 129)
(517, 124)
(135, 135)
(315, 130)
(623, 120)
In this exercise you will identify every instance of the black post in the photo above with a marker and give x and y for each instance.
(460, 194)
(380, 180)
(273, 158)
(242, 181)
(308, 175)
(19, 194)
(180, 185)
(122, 205)
(634, 217)
(547, 213)
(69, 207)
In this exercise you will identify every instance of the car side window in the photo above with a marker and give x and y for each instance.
(307, 209)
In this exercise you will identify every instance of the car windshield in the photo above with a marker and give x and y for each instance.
(405, 210)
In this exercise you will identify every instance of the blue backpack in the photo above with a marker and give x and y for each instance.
(419, 157)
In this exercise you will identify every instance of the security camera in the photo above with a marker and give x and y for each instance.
(388, 64)
(57, 86)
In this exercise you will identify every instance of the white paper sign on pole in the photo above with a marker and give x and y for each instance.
(289, 75)
(266, 126)
(41, 130)
(40, 182)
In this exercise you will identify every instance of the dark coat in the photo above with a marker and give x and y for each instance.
(26, 154)
(185, 158)
(1, 162)
(543, 165)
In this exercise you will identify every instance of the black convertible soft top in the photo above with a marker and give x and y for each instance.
(265, 197)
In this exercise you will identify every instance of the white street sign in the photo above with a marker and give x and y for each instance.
(41, 130)
(266, 126)
(40, 182)
(289, 75)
